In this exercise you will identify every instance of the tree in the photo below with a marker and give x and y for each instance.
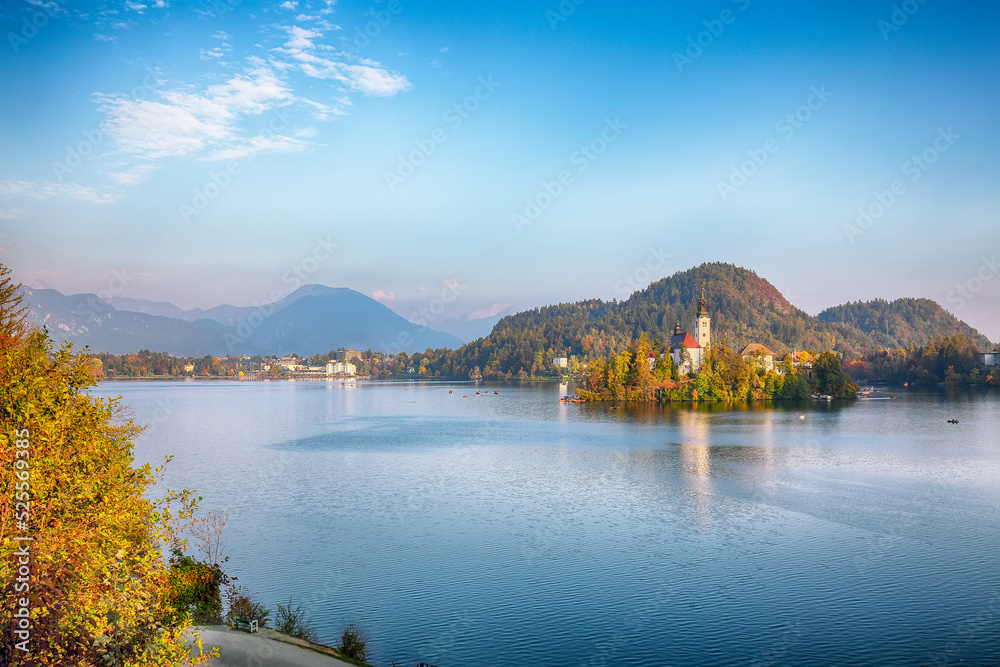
(12, 310)
(832, 378)
(98, 589)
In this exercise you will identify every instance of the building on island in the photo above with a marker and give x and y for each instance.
(688, 351)
(765, 355)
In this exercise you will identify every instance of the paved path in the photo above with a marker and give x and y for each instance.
(241, 649)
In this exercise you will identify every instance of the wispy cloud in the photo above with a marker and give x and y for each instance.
(133, 175)
(313, 59)
(188, 123)
(49, 190)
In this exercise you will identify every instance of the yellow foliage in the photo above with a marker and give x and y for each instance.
(99, 587)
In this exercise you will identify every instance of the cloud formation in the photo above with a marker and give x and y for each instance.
(49, 190)
(187, 123)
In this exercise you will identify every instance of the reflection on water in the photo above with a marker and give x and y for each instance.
(509, 529)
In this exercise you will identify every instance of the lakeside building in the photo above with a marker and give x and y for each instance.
(345, 354)
(289, 363)
(340, 368)
(989, 358)
(766, 356)
(561, 362)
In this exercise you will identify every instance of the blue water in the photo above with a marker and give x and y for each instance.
(510, 529)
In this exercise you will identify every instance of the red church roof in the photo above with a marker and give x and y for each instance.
(683, 340)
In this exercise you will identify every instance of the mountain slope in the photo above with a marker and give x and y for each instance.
(83, 319)
(744, 307)
(313, 319)
(319, 315)
(902, 322)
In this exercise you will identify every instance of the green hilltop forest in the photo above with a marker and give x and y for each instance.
(900, 323)
(745, 308)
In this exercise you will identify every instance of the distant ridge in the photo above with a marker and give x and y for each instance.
(311, 320)
(902, 322)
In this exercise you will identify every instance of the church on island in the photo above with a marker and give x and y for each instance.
(689, 351)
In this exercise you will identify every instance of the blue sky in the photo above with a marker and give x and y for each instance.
(504, 154)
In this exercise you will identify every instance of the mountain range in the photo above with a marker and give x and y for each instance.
(744, 307)
(312, 319)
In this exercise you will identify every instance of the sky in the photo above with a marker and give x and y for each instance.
(454, 160)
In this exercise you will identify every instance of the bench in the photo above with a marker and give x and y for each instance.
(245, 624)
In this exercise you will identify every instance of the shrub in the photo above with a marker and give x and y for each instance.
(244, 604)
(292, 622)
(354, 642)
(196, 588)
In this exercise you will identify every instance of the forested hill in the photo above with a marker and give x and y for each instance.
(744, 307)
(902, 322)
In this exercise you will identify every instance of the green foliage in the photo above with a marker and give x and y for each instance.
(354, 642)
(831, 378)
(242, 603)
(903, 322)
(725, 376)
(196, 588)
(292, 622)
(949, 360)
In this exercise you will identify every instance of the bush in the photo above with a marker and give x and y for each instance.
(354, 642)
(292, 622)
(244, 604)
(196, 588)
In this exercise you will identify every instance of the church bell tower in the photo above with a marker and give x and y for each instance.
(703, 328)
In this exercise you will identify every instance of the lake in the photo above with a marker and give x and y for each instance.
(509, 529)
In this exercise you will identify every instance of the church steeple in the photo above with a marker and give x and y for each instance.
(703, 326)
(677, 329)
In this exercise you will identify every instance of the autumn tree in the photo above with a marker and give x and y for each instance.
(81, 544)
